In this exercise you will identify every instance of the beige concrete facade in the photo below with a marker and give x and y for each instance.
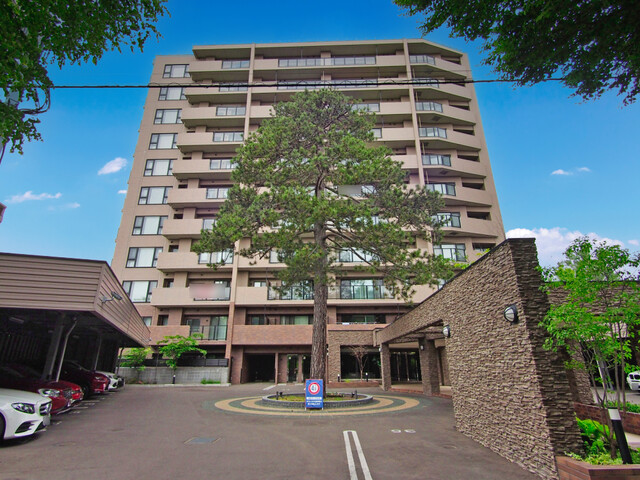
(205, 104)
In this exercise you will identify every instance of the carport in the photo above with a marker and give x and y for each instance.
(52, 309)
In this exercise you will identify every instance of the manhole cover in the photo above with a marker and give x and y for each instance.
(200, 440)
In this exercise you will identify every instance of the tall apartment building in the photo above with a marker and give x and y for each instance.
(207, 103)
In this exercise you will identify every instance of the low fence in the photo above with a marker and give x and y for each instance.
(630, 421)
(184, 375)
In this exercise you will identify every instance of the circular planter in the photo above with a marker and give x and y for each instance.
(362, 399)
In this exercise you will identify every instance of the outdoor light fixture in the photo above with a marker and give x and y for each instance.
(114, 296)
(511, 314)
(446, 331)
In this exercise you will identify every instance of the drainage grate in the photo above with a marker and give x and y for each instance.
(200, 440)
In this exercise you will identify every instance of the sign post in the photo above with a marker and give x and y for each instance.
(313, 394)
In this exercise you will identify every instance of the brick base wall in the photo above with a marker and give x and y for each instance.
(630, 421)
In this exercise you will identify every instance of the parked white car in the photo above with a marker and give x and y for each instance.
(115, 381)
(633, 379)
(22, 413)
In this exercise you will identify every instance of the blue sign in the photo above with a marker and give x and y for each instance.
(313, 394)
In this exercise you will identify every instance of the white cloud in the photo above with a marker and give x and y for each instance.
(66, 206)
(566, 172)
(31, 196)
(584, 169)
(122, 192)
(561, 172)
(72, 205)
(552, 242)
(113, 166)
(634, 242)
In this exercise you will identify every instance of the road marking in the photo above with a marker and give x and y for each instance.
(410, 431)
(363, 462)
(395, 430)
(269, 388)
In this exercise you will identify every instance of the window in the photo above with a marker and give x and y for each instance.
(163, 320)
(221, 164)
(139, 291)
(225, 257)
(158, 168)
(233, 87)
(432, 132)
(167, 283)
(257, 320)
(362, 318)
(153, 195)
(362, 288)
(231, 110)
(161, 141)
(168, 115)
(300, 84)
(217, 328)
(176, 71)
(433, 159)
(235, 64)
(217, 192)
(301, 62)
(356, 255)
(146, 321)
(208, 223)
(377, 132)
(172, 93)
(428, 107)
(143, 256)
(151, 225)
(422, 59)
(299, 291)
(369, 60)
(443, 188)
(296, 319)
(448, 219)
(452, 251)
(228, 137)
(429, 82)
(366, 107)
(318, 62)
(258, 283)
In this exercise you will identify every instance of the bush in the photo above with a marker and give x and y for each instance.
(595, 437)
(208, 381)
(628, 407)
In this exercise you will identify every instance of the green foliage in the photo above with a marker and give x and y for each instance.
(38, 34)
(177, 345)
(595, 436)
(208, 381)
(135, 358)
(627, 406)
(594, 45)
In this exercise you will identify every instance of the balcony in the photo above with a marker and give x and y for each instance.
(397, 137)
(174, 229)
(183, 169)
(182, 262)
(182, 297)
(193, 117)
(213, 70)
(454, 167)
(455, 194)
(474, 227)
(203, 142)
(447, 114)
(272, 334)
(435, 91)
(210, 333)
(215, 95)
(450, 140)
(192, 197)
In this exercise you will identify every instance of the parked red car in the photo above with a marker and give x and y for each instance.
(28, 371)
(10, 378)
(91, 382)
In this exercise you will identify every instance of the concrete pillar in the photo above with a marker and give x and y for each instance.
(385, 366)
(429, 367)
(54, 345)
(300, 374)
(334, 366)
(277, 374)
(96, 353)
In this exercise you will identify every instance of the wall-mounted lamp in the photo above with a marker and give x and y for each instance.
(114, 296)
(446, 331)
(511, 314)
(421, 347)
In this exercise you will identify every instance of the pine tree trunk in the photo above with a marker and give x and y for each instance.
(320, 296)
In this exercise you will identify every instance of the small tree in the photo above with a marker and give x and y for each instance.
(312, 187)
(600, 315)
(359, 352)
(135, 358)
(178, 345)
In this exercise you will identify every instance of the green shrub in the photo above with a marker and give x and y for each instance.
(208, 381)
(595, 437)
(629, 407)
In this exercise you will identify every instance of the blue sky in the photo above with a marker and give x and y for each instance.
(562, 167)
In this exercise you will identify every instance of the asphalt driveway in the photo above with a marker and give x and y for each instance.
(177, 432)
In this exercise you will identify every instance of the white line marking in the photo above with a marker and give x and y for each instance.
(269, 388)
(363, 461)
(410, 431)
(395, 430)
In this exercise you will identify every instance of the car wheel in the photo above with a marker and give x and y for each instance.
(1, 428)
(86, 391)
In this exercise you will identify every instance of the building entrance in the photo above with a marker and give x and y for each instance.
(292, 368)
(405, 366)
(261, 368)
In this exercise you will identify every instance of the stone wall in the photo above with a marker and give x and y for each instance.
(184, 375)
(336, 339)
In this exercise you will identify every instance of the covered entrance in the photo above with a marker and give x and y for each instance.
(260, 367)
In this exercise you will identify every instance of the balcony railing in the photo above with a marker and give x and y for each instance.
(431, 132)
(299, 292)
(443, 188)
(422, 59)
(210, 332)
(211, 292)
(363, 292)
(322, 62)
(436, 159)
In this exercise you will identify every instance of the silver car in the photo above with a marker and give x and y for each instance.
(22, 413)
(633, 379)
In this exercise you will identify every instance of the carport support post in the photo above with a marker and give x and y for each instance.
(54, 345)
(96, 353)
(429, 367)
(64, 349)
(385, 366)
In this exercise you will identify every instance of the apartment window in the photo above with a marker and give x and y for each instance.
(433, 132)
(428, 107)
(227, 111)
(139, 291)
(208, 223)
(296, 319)
(422, 59)
(301, 62)
(168, 115)
(162, 141)
(225, 257)
(163, 320)
(353, 60)
(140, 257)
(153, 195)
(299, 291)
(228, 136)
(452, 251)
(176, 71)
(168, 283)
(233, 87)
(362, 318)
(217, 328)
(377, 132)
(443, 188)
(434, 159)
(217, 192)
(429, 82)
(172, 93)
(257, 320)
(155, 168)
(151, 225)
(366, 107)
(300, 85)
(221, 164)
(448, 219)
(362, 289)
(356, 255)
(235, 64)
(258, 283)
(276, 256)
(146, 321)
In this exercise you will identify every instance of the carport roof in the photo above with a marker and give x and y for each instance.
(39, 290)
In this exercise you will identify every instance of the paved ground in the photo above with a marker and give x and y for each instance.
(179, 432)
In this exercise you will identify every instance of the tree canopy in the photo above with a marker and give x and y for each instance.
(312, 188)
(593, 44)
(177, 345)
(34, 35)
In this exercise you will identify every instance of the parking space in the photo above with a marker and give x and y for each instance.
(179, 432)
